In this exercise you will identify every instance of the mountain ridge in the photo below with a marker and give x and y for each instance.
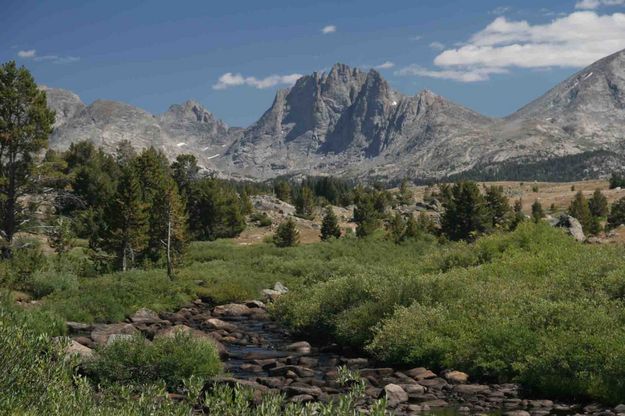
(350, 122)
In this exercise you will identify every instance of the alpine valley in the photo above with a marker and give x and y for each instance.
(351, 123)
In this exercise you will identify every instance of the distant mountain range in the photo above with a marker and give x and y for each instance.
(351, 123)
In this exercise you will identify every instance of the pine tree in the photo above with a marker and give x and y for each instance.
(595, 226)
(167, 217)
(580, 210)
(330, 225)
(404, 197)
(287, 234)
(598, 204)
(413, 227)
(367, 212)
(185, 171)
(466, 214)
(518, 216)
(396, 228)
(61, 236)
(617, 214)
(215, 210)
(537, 211)
(498, 207)
(304, 202)
(125, 232)
(282, 189)
(25, 123)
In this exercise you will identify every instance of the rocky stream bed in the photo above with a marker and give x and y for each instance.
(261, 355)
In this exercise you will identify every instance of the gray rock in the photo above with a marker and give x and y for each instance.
(75, 349)
(145, 316)
(232, 309)
(218, 324)
(101, 333)
(301, 347)
(76, 327)
(119, 338)
(395, 395)
(572, 226)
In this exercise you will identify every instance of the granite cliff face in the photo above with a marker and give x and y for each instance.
(352, 123)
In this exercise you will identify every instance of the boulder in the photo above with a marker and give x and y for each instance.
(571, 225)
(77, 327)
(145, 316)
(76, 349)
(420, 373)
(470, 389)
(218, 324)
(296, 389)
(255, 304)
(395, 395)
(456, 377)
(232, 309)
(101, 333)
(301, 347)
(272, 294)
(118, 337)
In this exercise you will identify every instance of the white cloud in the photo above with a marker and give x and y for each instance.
(385, 65)
(55, 59)
(468, 75)
(229, 79)
(417, 37)
(328, 29)
(595, 4)
(437, 46)
(574, 41)
(30, 53)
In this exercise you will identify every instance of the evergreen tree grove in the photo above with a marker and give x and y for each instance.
(466, 213)
(125, 233)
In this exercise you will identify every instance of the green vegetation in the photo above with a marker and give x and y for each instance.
(287, 234)
(330, 225)
(531, 306)
(617, 180)
(617, 214)
(537, 211)
(39, 379)
(171, 360)
(466, 213)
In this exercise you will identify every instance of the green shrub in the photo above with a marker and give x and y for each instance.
(45, 283)
(261, 218)
(532, 306)
(167, 359)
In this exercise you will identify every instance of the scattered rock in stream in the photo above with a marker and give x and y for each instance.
(261, 355)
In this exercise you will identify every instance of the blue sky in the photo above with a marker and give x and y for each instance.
(492, 56)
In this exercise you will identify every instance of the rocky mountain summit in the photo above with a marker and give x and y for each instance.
(350, 122)
(184, 128)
